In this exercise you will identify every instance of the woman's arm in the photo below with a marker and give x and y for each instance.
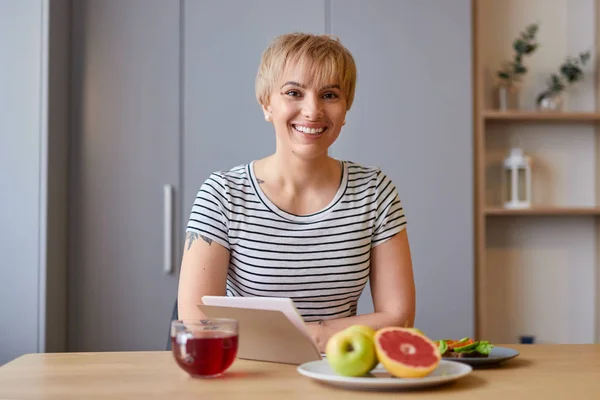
(203, 272)
(392, 289)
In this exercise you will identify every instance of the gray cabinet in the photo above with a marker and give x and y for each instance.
(125, 148)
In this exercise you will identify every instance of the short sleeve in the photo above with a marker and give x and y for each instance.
(209, 215)
(390, 218)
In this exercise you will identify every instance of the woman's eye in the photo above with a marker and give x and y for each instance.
(293, 93)
(330, 95)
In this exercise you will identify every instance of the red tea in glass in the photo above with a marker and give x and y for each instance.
(204, 348)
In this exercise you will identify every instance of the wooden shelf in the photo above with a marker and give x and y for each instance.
(548, 210)
(513, 246)
(531, 116)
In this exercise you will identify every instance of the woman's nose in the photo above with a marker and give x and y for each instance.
(312, 108)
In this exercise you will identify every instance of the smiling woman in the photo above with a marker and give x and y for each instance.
(299, 223)
(306, 94)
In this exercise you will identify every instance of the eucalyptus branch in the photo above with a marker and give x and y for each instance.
(569, 72)
(524, 45)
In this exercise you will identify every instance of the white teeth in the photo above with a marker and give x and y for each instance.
(311, 131)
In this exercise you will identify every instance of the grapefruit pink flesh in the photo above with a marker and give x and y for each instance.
(401, 346)
(406, 354)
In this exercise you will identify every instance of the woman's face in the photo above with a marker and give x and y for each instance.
(307, 118)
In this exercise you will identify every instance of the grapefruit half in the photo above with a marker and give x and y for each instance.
(406, 354)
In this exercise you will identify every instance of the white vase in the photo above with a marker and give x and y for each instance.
(508, 97)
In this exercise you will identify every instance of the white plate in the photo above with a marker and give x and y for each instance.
(497, 355)
(379, 378)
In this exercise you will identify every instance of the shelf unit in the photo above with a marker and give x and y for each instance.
(559, 240)
(536, 116)
(540, 211)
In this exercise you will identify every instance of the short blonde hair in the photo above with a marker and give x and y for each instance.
(324, 56)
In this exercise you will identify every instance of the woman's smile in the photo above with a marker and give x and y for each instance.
(309, 132)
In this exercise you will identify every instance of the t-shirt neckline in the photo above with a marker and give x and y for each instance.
(293, 217)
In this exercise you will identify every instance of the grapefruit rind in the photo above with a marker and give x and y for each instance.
(396, 367)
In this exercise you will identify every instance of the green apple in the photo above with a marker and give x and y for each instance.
(370, 332)
(350, 353)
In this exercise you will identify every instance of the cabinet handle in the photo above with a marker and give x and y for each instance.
(168, 229)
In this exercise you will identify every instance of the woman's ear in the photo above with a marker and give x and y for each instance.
(267, 112)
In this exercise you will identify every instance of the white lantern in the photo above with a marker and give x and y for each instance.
(516, 182)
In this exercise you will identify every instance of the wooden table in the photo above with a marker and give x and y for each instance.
(540, 372)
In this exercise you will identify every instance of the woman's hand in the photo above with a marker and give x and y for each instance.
(314, 329)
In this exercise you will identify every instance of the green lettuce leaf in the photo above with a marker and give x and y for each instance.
(442, 346)
(484, 347)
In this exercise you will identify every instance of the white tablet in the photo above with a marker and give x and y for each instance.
(271, 328)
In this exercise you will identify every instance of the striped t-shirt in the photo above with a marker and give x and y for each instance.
(321, 261)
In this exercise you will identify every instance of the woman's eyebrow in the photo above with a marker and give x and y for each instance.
(293, 83)
(333, 86)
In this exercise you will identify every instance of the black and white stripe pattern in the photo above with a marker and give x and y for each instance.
(321, 261)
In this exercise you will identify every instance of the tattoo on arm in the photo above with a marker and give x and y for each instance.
(259, 181)
(192, 236)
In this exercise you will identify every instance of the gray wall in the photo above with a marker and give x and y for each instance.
(34, 75)
(413, 118)
(20, 101)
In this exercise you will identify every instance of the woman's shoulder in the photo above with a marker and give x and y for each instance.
(365, 173)
(358, 168)
(227, 184)
(363, 179)
(235, 176)
(238, 172)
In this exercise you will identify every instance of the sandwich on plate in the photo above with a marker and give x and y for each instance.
(464, 348)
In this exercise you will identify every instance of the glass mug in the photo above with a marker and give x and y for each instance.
(204, 348)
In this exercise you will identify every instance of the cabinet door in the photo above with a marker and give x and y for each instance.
(224, 40)
(412, 117)
(125, 147)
